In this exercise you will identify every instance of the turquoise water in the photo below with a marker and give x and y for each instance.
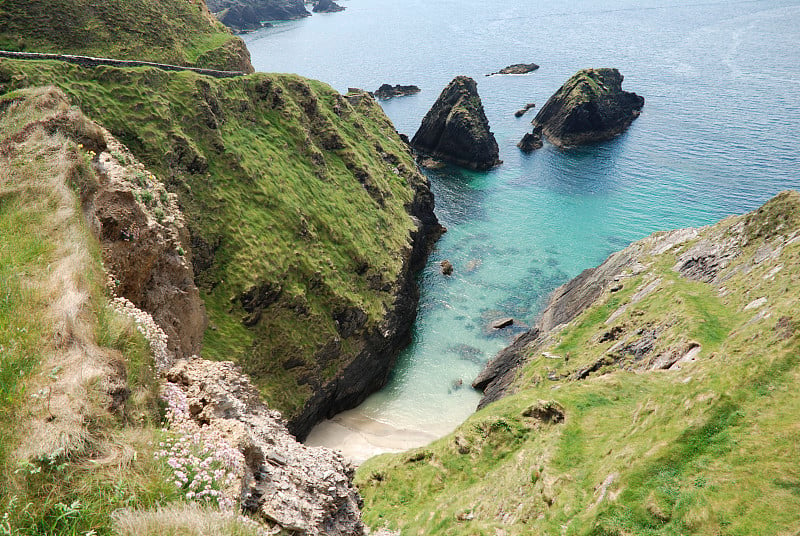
(718, 135)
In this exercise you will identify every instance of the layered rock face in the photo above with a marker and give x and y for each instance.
(589, 107)
(144, 243)
(245, 15)
(456, 129)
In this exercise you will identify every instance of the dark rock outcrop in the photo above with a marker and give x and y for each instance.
(247, 15)
(522, 111)
(456, 128)
(517, 68)
(531, 141)
(589, 107)
(327, 6)
(446, 267)
(387, 91)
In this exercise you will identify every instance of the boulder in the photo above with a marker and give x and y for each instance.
(387, 91)
(589, 107)
(446, 267)
(327, 6)
(456, 128)
(502, 323)
(517, 68)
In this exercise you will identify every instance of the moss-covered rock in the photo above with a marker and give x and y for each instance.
(589, 107)
(456, 129)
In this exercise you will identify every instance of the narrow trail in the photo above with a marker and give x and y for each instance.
(89, 61)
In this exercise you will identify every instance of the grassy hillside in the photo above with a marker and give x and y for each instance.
(296, 200)
(79, 418)
(181, 32)
(667, 407)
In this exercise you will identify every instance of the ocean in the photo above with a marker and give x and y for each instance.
(718, 135)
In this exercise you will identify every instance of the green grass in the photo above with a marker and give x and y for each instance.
(180, 32)
(710, 449)
(281, 181)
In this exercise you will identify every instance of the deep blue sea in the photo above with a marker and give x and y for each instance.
(718, 135)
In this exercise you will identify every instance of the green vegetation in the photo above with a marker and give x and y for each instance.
(179, 32)
(708, 448)
(290, 192)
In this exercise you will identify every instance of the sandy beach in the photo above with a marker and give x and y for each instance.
(360, 437)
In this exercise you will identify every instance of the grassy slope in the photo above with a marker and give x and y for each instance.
(266, 173)
(182, 32)
(709, 449)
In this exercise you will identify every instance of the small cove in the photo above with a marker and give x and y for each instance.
(717, 136)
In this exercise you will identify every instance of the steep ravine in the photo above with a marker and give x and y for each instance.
(305, 213)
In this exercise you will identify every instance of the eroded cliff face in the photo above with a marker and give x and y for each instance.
(590, 107)
(456, 129)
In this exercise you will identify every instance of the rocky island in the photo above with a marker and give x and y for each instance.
(517, 68)
(456, 129)
(387, 91)
(590, 107)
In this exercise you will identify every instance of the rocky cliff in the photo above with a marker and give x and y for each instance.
(651, 388)
(305, 213)
(245, 15)
(591, 106)
(327, 6)
(456, 129)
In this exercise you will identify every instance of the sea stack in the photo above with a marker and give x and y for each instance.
(589, 107)
(456, 129)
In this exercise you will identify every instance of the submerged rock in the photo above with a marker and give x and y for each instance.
(502, 323)
(517, 68)
(589, 107)
(456, 128)
(387, 91)
(327, 6)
